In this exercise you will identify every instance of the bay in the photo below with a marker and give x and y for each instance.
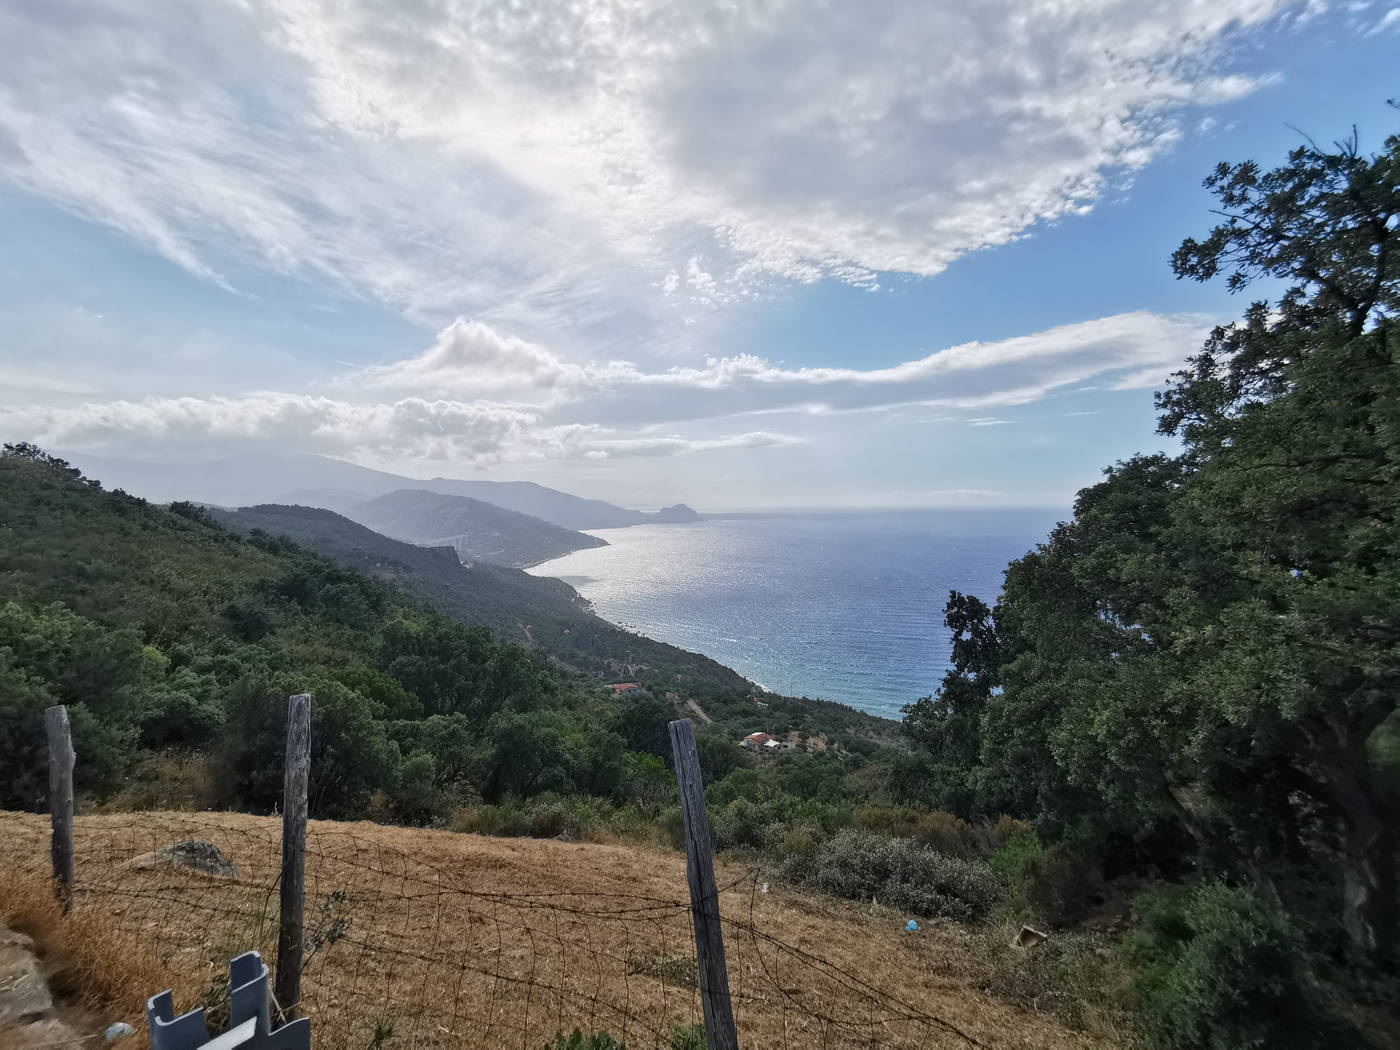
(845, 606)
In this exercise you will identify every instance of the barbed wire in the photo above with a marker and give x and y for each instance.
(453, 949)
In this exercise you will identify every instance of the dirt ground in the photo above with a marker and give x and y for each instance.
(435, 939)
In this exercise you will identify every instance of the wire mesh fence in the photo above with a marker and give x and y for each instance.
(429, 939)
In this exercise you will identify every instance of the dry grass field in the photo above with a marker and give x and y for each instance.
(435, 939)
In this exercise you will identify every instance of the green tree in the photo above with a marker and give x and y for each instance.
(1291, 422)
(948, 724)
(643, 721)
(351, 754)
(1209, 651)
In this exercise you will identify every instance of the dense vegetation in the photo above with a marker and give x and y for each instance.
(163, 630)
(1198, 675)
(160, 629)
(549, 615)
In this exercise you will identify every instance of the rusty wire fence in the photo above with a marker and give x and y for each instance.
(447, 948)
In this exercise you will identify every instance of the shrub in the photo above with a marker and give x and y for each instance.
(933, 828)
(1060, 884)
(1003, 831)
(543, 817)
(898, 873)
(172, 779)
(1014, 856)
(1074, 975)
(1216, 967)
(673, 826)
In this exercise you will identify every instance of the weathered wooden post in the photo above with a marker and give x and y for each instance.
(290, 931)
(720, 1031)
(60, 740)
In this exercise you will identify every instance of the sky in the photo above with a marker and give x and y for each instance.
(742, 255)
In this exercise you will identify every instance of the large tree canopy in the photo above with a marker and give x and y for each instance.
(1210, 648)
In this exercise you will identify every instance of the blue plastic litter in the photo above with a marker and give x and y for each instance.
(913, 926)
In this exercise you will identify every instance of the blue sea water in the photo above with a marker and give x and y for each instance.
(845, 606)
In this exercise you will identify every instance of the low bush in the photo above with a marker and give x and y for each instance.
(1075, 975)
(1061, 884)
(542, 817)
(933, 828)
(1216, 967)
(898, 873)
(760, 824)
(580, 817)
(169, 780)
(995, 836)
(1014, 856)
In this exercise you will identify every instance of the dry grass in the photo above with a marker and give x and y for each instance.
(99, 971)
(463, 941)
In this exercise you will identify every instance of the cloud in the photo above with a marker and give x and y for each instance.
(672, 444)
(471, 354)
(608, 170)
(410, 427)
(1390, 20)
(478, 396)
(467, 433)
(1129, 351)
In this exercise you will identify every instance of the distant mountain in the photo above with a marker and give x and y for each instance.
(531, 610)
(572, 512)
(477, 531)
(333, 484)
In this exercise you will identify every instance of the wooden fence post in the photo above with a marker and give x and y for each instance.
(720, 1031)
(61, 758)
(290, 930)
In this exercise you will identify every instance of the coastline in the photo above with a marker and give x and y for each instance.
(845, 607)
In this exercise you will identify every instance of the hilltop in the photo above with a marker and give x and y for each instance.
(319, 481)
(477, 531)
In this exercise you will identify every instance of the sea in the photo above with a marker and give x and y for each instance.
(841, 605)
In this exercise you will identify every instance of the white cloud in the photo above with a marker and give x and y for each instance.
(471, 354)
(1390, 20)
(465, 433)
(1131, 351)
(478, 396)
(410, 427)
(672, 444)
(595, 169)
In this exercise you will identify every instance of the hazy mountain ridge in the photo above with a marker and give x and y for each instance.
(333, 484)
(476, 530)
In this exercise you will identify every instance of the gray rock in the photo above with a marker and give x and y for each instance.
(13, 938)
(195, 854)
(24, 996)
(48, 1032)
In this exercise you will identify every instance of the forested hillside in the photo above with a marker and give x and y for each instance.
(164, 631)
(1198, 676)
(477, 531)
(160, 629)
(528, 610)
